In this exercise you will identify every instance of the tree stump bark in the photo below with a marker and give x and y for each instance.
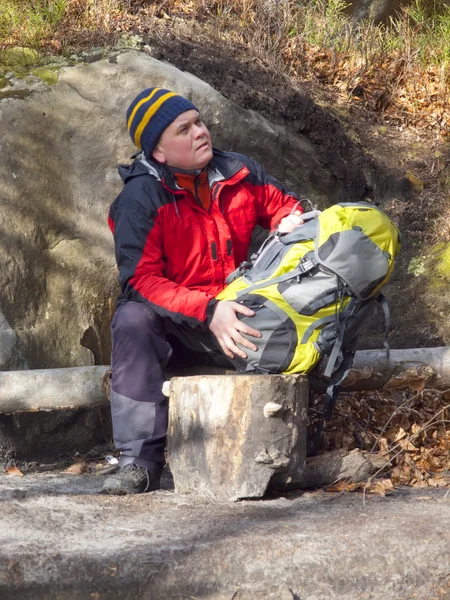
(230, 435)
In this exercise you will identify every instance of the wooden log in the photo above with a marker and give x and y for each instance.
(230, 435)
(82, 387)
(52, 389)
(415, 368)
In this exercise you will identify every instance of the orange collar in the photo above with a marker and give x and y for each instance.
(198, 185)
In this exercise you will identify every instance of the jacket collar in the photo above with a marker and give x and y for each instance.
(221, 167)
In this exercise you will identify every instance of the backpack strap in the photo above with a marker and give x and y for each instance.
(272, 239)
(242, 268)
(304, 267)
(341, 373)
(335, 382)
(387, 322)
(322, 321)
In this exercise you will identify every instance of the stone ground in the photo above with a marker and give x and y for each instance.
(60, 539)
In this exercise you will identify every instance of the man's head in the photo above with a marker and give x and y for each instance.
(169, 128)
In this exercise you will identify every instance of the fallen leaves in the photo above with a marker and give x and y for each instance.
(377, 487)
(409, 431)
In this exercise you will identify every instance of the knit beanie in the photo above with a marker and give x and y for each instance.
(151, 112)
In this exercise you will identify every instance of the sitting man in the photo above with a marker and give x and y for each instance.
(182, 223)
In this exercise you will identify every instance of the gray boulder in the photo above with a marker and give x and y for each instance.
(376, 10)
(58, 156)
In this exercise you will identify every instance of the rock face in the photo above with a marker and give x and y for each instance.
(376, 10)
(58, 154)
(230, 435)
(8, 340)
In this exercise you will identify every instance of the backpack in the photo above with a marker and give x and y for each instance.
(313, 289)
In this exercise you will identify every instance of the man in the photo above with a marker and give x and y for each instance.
(182, 223)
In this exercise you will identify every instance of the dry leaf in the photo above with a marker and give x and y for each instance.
(381, 487)
(402, 421)
(420, 484)
(401, 475)
(383, 443)
(77, 468)
(435, 465)
(406, 445)
(342, 486)
(14, 472)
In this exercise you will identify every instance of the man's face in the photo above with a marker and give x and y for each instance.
(185, 144)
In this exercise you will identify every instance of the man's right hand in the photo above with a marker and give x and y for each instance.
(289, 223)
(227, 328)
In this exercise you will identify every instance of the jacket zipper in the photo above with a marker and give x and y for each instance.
(196, 190)
(214, 193)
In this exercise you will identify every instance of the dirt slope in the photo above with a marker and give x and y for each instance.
(400, 168)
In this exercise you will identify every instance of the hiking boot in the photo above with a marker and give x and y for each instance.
(131, 479)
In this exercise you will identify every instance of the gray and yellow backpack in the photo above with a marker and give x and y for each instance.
(313, 289)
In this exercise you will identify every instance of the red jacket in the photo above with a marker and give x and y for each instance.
(173, 253)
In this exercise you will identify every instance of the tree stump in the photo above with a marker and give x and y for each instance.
(230, 435)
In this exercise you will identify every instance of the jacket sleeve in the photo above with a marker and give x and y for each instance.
(276, 201)
(140, 259)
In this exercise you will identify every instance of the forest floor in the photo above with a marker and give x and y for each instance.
(60, 539)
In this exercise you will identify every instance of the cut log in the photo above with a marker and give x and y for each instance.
(230, 435)
(83, 387)
(52, 389)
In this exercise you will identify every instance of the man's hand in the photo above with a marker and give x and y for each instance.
(289, 223)
(226, 326)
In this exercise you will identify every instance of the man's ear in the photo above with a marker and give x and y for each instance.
(159, 155)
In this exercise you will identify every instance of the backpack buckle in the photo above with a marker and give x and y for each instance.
(305, 265)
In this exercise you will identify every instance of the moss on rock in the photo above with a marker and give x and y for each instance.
(18, 57)
(47, 74)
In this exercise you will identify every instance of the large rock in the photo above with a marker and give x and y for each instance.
(8, 340)
(376, 10)
(58, 154)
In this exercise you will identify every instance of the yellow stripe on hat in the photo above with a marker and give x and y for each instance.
(148, 115)
(139, 104)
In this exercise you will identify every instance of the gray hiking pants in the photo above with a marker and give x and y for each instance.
(143, 345)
